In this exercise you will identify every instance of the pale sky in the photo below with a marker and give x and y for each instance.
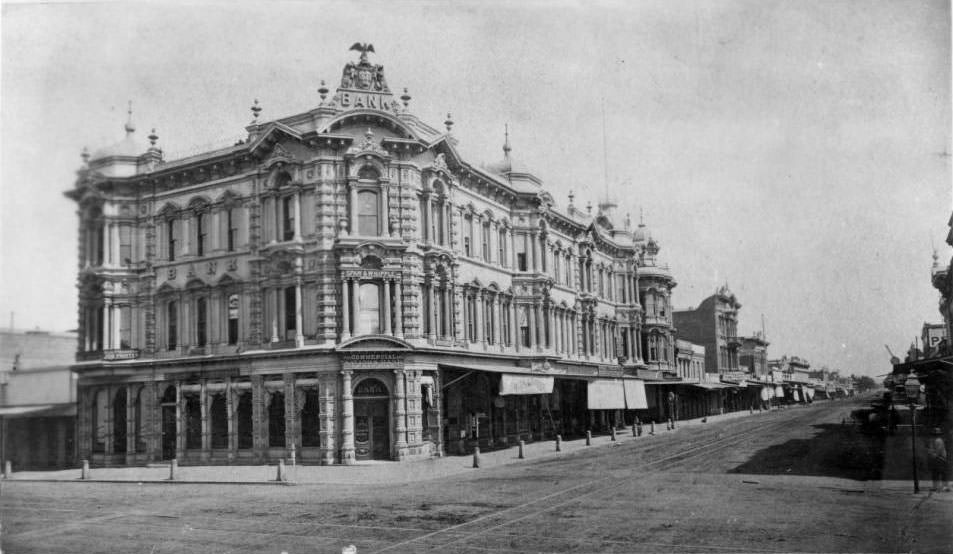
(799, 151)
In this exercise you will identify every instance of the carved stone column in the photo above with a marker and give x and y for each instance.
(387, 300)
(531, 316)
(345, 309)
(347, 419)
(327, 417)
(398, 310)
(478, 300)
(179, 428)
(414, 410)
(206, 435)
(400, 414)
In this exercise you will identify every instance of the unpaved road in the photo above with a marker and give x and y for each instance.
(788, 481)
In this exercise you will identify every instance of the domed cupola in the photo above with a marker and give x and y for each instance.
(128, 147)
(515, 172)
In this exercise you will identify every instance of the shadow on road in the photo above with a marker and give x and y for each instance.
(835, 451)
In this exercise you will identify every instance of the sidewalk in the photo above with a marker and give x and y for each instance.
(365, 472)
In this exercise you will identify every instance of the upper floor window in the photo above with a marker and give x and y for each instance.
(369, 309)
(232, 230)
(521, 252)
(287, 218)
(172, 325)
(125, 327)
(233, 304)
(485, 241)
(125, 244)
(100, 244)
(201, 321)
(201, 234)
(467, 236)
(170, 238)
(291, 311)
(501, 244)
(367, 213)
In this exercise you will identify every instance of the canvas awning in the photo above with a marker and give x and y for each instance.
(635, 394)
(711, 386)
(39, 410)
(606, 394)
(808, 393)
(767, 393)
(779, 391)
(525, 384)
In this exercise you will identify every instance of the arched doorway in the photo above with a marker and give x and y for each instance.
(371, 420)
(169, 430)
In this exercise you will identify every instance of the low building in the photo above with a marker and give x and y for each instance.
(753, 355)
(37, 399)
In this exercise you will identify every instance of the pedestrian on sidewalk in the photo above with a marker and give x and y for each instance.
(937, 453)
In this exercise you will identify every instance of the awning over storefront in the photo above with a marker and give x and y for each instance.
(767, 393)
(606, 394)
(712, 386)
(808, 393)
(525, 384)
(635, 394)
(779, 391)
(795, 395)
(41, 410)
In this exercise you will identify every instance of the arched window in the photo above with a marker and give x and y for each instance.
(367, 213)
(524, 326)
(368, 173)
(310, 419)
(219, 415)
(369, 309)
(201, 233)
(276, 420)
(468, 235)
(485, 241)
(170, 238)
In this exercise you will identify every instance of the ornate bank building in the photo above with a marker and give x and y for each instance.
(341, 284)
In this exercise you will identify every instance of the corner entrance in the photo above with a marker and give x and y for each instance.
(371, 421)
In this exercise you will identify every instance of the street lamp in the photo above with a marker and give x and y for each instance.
(912, 388)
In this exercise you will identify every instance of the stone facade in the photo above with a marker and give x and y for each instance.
(714, 325)
(343, 285)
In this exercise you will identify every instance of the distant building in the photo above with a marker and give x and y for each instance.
(714, 325)
(690, 361)
(753, 355)
(37, 399)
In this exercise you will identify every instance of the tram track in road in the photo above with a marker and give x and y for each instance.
(593, 487)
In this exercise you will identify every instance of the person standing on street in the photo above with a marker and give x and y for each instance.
(937, 453)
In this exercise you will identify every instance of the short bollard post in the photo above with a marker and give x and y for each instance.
(292, 454)
(613, 433)
(7, 469)
(588, 438)
(476, 456)
(652, 428)
(522, 444)
(638, 426)
(85, 472)
(559, 440)
(173, 466)
(281, 471)
(635, 431)
(671, 424)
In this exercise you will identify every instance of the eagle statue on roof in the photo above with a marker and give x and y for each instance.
(363, 48)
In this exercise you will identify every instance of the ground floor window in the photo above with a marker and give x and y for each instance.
(244, 421)
(310, 419)
(276, 420)
(119, 421)
(193, 422)
(219, 416)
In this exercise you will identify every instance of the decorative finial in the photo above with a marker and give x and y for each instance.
(85, 156)
(448, 123)
(506, 140)
(589, 207)
(255, 110)
(153, 137)
(405, 98)
(641, 217)
(628, 221)
(130, 126)
(572, 195)
(936, 259)
(323, 91)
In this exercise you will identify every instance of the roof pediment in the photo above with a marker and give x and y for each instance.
(374, 342)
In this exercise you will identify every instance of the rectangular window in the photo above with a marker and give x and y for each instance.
(291, 309)
(170, 239)
(467, 236)
(471, 319)
(233, 304)
(521, 252)
(201, 233)
(232, 236)
(434, 228)
(441, 224)
(125, 244)
(100, 247)
(201, 322)
(367, 213)
(125, 327)
(287, 218)
(501, 244)
(424, 224)
(485, 240)
(172, 325)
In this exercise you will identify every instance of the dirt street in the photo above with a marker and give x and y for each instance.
(784, 481)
